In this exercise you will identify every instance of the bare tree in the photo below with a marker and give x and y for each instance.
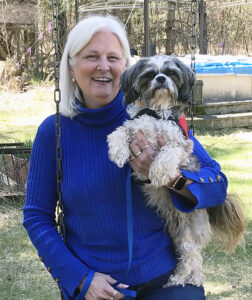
(223, 27)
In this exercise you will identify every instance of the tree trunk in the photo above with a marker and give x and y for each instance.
(203, 27)
(62, 27)
(170, 36)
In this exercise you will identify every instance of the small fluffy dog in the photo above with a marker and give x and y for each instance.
(163, 84)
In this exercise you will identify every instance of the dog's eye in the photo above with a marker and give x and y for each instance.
(150, 74)
(169, 72)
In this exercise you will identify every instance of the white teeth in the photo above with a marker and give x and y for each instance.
(102, 79)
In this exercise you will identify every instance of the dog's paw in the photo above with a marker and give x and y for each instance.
(160, 174)
(158, 182)
(165, 167)
(118, 144)
(174, 280)
(196, 279)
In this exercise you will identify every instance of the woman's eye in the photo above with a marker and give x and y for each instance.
(113, 58)
(91, 57)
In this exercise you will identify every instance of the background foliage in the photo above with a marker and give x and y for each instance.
(25, 24)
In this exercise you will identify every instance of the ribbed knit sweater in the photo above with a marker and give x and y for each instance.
(94, 197)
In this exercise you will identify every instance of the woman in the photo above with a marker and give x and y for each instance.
(96, 251)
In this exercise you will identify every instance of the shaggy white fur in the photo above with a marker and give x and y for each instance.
(189, 232)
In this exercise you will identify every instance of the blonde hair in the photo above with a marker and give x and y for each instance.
(77, 39)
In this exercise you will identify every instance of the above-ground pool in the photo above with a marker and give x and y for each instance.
(224, 77)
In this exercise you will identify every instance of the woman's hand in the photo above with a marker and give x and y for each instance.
(142, 157)
(142, 153)
(100, 288)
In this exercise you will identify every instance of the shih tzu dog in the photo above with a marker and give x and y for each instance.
(163, 85)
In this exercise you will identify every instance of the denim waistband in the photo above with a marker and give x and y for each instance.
(152, 284)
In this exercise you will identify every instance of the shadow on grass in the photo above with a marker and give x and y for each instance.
(220, 132)
(225, 152)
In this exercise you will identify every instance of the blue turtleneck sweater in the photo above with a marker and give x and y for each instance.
(94, 198)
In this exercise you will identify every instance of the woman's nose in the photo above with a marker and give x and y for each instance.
(103, 64)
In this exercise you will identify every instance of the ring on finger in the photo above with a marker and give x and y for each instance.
(114, 293)
(145, 146)
(138, 153)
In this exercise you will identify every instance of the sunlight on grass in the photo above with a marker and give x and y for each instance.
(215, 288)
(21, 113)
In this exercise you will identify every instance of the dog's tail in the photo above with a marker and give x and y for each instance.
(228, 222)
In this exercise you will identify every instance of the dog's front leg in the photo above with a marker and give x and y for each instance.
(118, 143)
(165, 166)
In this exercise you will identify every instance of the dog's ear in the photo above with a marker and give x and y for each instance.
(189, 80)
(126, 84)
(128, 80)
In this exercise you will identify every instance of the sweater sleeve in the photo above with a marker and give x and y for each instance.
(39, 215)
(209, 185)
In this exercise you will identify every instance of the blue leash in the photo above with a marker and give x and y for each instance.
(127, 292)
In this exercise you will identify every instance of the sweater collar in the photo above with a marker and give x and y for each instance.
(100, 115)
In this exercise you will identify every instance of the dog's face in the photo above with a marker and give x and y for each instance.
(160, 82)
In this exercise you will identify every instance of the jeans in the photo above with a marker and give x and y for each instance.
(152, 290)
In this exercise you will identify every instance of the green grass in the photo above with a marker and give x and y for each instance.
(23, 276)
(229, 276)
(21, 113)
(234, 153)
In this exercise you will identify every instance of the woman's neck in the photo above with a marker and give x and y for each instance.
(100, 115)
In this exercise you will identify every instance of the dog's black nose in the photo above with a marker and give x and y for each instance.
(161, 78)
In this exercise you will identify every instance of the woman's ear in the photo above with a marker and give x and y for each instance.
(70, 67)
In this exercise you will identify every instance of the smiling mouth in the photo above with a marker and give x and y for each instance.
(102, 79)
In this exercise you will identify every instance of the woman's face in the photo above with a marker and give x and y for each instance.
(97, 69)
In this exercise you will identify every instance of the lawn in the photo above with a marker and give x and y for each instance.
(229, 276)
(23, 276)
(21, 113)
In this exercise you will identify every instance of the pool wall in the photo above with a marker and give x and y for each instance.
(226, 86)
